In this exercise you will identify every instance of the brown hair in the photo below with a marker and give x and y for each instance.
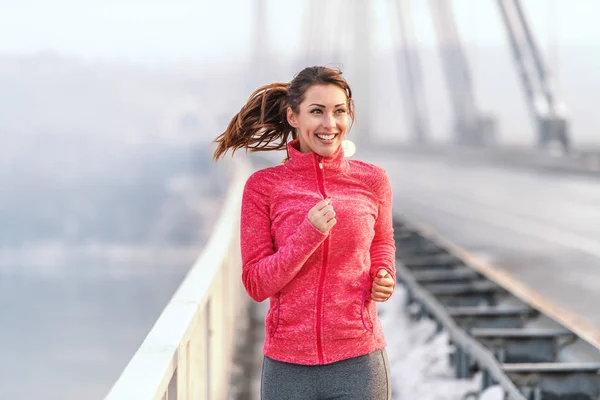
(263, 119)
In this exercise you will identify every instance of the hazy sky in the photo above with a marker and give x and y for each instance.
(153, 31)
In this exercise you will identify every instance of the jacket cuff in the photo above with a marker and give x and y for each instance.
(310, 232)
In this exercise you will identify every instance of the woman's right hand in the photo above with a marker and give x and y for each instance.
(322, 215)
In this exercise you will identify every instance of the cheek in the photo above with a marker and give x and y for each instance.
(309, 126)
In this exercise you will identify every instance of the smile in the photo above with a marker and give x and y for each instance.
(326, 137)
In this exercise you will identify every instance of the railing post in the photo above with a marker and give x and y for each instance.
(216, 337)
(173, 389)
(183, 363)
(198, 369)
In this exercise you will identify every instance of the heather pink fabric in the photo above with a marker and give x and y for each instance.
(318, 284)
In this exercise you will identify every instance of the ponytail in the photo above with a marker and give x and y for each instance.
(261, 121)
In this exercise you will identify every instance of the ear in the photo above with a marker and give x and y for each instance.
(291, 117)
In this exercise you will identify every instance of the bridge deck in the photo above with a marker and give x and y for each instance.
(542, 229)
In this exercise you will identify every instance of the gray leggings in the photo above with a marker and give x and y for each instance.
(366, 378)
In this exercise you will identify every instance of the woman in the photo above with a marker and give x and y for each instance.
(316, 240)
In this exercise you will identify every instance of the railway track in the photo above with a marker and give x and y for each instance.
(497, 328)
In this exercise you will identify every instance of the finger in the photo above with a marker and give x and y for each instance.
(389, 282)
(382, 273)
(320, 205)
(384, 282)
(320, 213)
(382, 289)
(379, 297)
(326, 209)
(329, 214)
(382, 300)
(331, 223)
(323, 203)
(377, 286)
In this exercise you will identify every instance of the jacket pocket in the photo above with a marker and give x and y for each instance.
(273, 315)
(348, 317)
(365, 314)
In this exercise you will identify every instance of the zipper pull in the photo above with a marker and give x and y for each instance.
(320, 162)
(321, 165)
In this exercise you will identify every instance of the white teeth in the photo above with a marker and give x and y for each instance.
(326, 137)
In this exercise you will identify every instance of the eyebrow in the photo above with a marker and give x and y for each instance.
(321, 105)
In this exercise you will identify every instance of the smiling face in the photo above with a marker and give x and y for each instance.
(322, 120)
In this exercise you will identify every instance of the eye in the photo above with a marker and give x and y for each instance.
(316, 110)
(340, 111)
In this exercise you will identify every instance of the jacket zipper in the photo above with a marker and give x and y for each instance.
(323, 265)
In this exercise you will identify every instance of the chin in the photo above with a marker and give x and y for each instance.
(326, 152)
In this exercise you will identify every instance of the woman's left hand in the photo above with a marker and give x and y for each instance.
(383, 286)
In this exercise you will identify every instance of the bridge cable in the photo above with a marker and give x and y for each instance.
(409, 67)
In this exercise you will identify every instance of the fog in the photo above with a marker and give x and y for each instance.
(108, 190)
(108, 194)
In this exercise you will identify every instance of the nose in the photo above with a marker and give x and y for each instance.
(329, 121)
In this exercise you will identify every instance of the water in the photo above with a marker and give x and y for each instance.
(77, 300)
(68, 333)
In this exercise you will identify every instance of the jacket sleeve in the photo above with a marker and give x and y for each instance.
(383, 247)
(264, 270)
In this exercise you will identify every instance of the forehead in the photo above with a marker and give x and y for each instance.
(328, 95)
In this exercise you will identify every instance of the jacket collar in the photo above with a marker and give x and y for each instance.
(299, 161)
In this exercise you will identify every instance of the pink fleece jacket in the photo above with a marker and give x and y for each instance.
(318, 284)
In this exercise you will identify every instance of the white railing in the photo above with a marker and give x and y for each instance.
(188, 352)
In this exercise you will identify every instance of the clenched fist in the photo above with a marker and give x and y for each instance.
(322, 215)
(383, 286)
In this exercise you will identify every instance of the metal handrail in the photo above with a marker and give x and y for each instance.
(188, 352)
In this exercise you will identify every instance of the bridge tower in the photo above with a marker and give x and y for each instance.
(471, 126)
(545, 106)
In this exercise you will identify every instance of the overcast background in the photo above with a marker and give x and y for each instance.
(107, 113)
